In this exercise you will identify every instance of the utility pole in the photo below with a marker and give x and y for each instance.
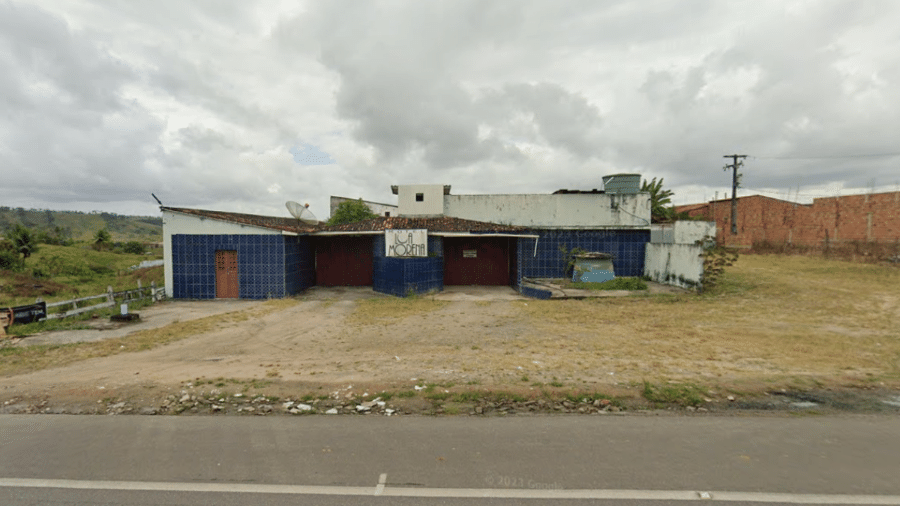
(735, 182)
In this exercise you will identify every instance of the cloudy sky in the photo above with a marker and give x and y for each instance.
(242, 105)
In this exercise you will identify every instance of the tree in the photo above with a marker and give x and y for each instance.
(659, 199)
(351, 211)
(9, 257)
(102, 239)
(23, 240)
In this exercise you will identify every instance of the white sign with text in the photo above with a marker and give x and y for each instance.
(406, 243)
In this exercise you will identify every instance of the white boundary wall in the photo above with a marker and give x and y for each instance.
(674, 264)
(178, 223)
(674, 256)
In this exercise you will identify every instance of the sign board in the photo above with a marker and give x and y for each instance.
(28, 314)
(406, 243)
(470, 253)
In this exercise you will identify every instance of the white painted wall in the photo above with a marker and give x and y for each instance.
(432, 203)
(674, 264)
(178, 223)
(689, 232)
(682, 232)
(584, 210)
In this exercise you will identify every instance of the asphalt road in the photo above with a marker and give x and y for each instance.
(47, 459)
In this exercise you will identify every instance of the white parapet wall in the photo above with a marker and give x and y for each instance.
(554, 211)
(675, 264)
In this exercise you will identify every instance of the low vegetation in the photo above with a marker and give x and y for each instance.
(623, 283)
(66, 272)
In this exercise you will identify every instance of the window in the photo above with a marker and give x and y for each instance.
(420, 197)
(387, 214)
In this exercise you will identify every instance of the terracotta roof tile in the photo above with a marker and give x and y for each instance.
(434, 224)
(272, 222)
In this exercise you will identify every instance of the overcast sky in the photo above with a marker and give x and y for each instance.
(242, 105)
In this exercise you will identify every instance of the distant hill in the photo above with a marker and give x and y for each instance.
(82, 226)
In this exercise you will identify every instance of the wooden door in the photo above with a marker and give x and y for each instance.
(226, 275)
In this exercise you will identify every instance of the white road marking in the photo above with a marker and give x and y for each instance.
(379, 489)
(493, 493)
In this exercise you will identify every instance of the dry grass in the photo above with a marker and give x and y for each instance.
(774, 316)
(19, 360)
(384, 309)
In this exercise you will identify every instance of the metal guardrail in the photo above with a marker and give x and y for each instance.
(109, 299)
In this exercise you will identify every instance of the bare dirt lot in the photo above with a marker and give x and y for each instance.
(777, 324)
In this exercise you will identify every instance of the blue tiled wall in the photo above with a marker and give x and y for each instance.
(261, 265)
(626, 246)
(299, 264)
(401, 276)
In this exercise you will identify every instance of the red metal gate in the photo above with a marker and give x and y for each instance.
(344, 261)
(226, 275)
(476, 261)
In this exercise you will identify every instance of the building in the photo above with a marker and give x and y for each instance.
(435, 239)
(832, 220)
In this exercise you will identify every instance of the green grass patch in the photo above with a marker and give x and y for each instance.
(623, 283)
(682, 395)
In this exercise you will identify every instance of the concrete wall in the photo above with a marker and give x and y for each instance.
(586, 211)
(865, 218)
(682, 232)
(674, 264)
(177, 223)
(432, 203)
(375, 207)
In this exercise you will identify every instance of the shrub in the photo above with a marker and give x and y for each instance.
(9, 257)
(133, 247)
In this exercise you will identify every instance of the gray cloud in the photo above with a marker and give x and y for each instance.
(206, 103)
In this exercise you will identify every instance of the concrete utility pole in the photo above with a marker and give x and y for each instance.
(735, 182)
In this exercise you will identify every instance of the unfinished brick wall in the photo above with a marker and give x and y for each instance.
(866, 218)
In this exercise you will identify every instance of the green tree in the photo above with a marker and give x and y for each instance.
(9, 257)
(102, 239)
(23, 240)
(659, 200)
(351, 211)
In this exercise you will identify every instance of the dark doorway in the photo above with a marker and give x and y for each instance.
(476, 261)
(226, 275)
(344, 261)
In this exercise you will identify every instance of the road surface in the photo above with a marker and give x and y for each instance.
(46, 459)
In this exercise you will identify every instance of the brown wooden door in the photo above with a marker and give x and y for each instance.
(226, 275)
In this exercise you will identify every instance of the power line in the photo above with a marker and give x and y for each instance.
(831, 157)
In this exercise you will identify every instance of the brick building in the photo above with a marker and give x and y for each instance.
(864, 218)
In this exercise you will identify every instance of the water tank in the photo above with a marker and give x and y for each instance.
(622, 183)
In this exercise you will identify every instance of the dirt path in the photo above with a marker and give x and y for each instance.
(353, 341)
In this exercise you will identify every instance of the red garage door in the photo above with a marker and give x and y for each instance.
(344, 261)
(476, 261)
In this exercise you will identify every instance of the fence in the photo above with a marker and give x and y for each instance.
(109, 300)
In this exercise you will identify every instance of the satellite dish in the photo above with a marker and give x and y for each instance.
(302, 213)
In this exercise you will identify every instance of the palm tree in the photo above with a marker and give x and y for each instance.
(659, 200)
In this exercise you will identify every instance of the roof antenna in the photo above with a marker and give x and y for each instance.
(157, 200)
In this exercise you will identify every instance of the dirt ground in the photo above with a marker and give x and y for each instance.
(343, 343)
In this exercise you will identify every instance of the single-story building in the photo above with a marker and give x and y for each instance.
(435, 239)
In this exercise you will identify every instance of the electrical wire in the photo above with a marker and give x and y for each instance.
(831, 157)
